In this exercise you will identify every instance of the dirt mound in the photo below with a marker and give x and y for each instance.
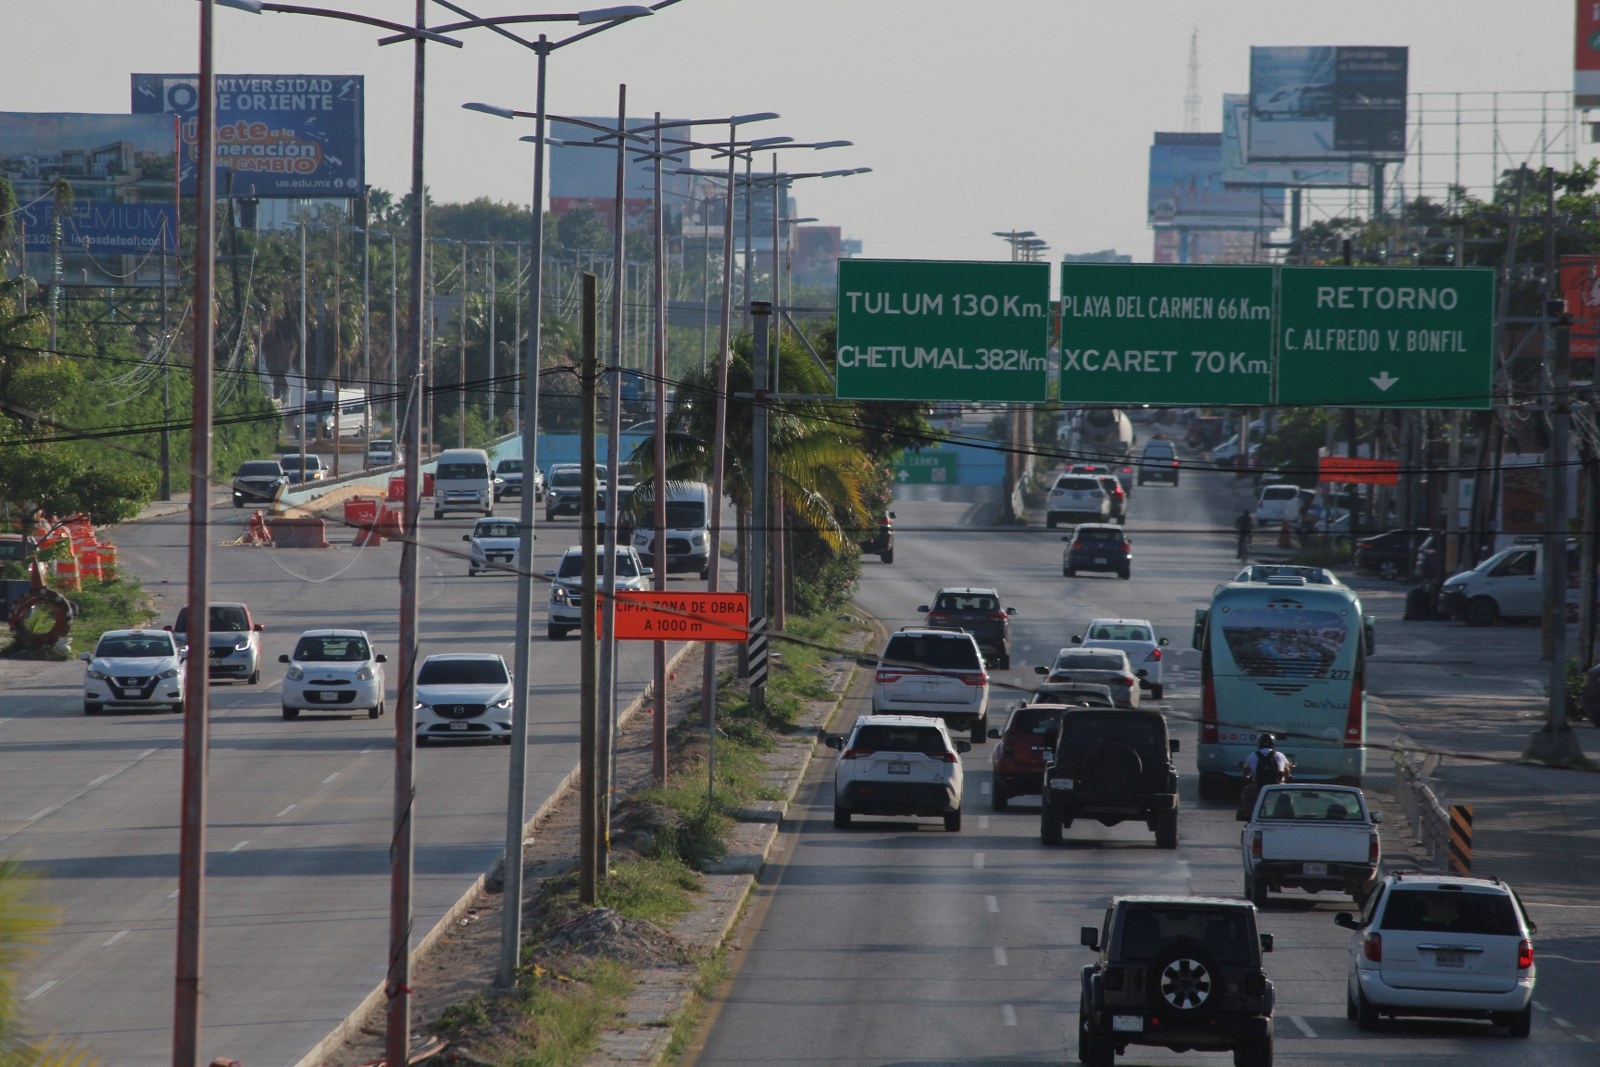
(605, 933)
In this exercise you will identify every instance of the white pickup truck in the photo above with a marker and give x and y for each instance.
(1313, 837)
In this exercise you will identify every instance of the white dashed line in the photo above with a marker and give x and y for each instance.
(102, 780)
(173, 895)
(145, 753)
(330, 778)
(114, 938)
(1561, 1023)
(42, 990)
(237, 847)
(1301, 1025)
(1008, 1015)
(977, 859)
(983, 822)
(369, 748)
(36, 816)
(999, 956)
(1584, 1038)
(984, 788)
(991, 905)
(287, 810)
(1541, 1007)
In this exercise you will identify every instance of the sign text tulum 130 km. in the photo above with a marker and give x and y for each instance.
(932, 330)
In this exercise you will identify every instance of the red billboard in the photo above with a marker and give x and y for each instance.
(1358, 471)
(1586, 61)
(1580, 287)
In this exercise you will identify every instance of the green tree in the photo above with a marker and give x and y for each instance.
(24, 923)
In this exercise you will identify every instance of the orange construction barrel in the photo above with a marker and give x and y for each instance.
(108, 561)
(65, 573)
(89, 564)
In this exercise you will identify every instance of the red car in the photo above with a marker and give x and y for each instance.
(1018, 760)
(1119, 498)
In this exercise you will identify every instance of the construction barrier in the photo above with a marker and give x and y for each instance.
(255, 532)
(108, 561)
(397, 488)
(361, 513)
(64, 574)
(427, 483)
(390, 524)
(89, 565)
(298, 532)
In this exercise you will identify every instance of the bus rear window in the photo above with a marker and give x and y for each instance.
(1284, 640)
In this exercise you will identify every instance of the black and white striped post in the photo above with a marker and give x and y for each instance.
(760, 510)
(756, 647)
(1460, 847)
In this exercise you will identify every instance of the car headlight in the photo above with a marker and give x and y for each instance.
(170, 672)
(294, 674)
(242, 645)
(504, 702)
(98, 674)
(698, 539)
(365, 674)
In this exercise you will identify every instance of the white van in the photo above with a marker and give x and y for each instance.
(1281, 502)
(1507, 585)
(462, 482)
(688, 527)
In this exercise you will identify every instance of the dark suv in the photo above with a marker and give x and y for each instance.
(258, 481)
(978, 612)
(1097, 546)
(1111, 766)
(879, 541)
(1176, 972)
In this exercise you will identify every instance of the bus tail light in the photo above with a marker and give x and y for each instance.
(1208, 711)
(1354, 727)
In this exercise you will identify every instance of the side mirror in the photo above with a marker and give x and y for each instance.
(260, 627)
(1067, 538)
(1172, 745)
(963, 746)
(924, 608)
(167, 628)
(1041, 670)
(833, 740)
(891, 514)
(466, 537)
(1089, 937)
(1142, 674)
(549, 574)
(994, 733)
(1162, 642)
(866, 661)
(283, 658)
(1346, 920)
(380, 658)
(87, 657)
(1377, 816)
(1266, 942)
(1011, 611)
(1077, 639)
(648, 572)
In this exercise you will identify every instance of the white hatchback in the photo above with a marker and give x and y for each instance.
(1441, 945)
(333, 671)
(903, 765)
(492, 546)
(1137, 638)
(133, 669)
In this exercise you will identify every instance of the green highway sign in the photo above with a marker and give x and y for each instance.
(937, 330)
(925, 468)
(1166, 334)
(1395, 337)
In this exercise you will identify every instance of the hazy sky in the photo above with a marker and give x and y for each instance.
(975, 117)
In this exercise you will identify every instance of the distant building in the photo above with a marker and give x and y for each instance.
(1105, 255)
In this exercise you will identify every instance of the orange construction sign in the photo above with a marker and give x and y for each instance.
(667, 616)
(1359, 471)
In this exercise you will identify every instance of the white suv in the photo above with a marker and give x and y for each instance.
(1077, 498)
(566, 586)
(1441, 945)
(925, 670)
(898, 765)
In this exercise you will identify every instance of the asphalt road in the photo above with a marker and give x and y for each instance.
(896, 943)
(297, 885)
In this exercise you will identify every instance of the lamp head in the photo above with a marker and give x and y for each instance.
(612, 14)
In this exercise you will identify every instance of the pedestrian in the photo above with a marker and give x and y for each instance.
(1244, 527)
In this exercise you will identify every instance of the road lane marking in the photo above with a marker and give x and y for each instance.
(1008, 1015)
(1561, 1023)
(984, 788)
(977, 859)
(369, 748)
(999, 956)
(330, 778)
(102, 780)
(983, 822)
(991, 905)
(1584, 1038)
(42, 990)
(36, 816)
(118, 936)
(1301, 1025)
(173, 895)
(237, 847)
(145, 753)
(287, 810)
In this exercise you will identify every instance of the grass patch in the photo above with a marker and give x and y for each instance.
(566, 1013)
(120, 604)
(712, 973)
(659, 889)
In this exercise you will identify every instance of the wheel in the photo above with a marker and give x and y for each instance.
(91, 708)
(1389, 570)
(1366, 1012)
(1349, 1004)
(437, 514)
(841, 816)
(1083, 1027)
(505, 740)
(1125, 574)
(1121, 520)
(488, 511)
(1481, 611)
(472, 572)
(1049, 825)
(1211, 787)
(377, 712)
(1255, 892)
(1098, 1049)
(980, 730)
(999, 799)
(1517, 1023)
(1184, 985)
(554, 632)
(1049, 521)
(1174, 483)
(1157, 690)
(291, 713)
(887, 556)
(1254, 1051)
(176, 709)
(549, 516)
(705, 575)
(952, 822)
(1005, 661)
(255, 677)
(1167, 829)
(1070, 572)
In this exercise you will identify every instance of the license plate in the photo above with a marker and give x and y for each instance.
(1318, 870)
(458, 726)
(1100, 559)
(1061, 783)
(1454, 960)
(930, 687)
(899, 768)
(1127, 1024)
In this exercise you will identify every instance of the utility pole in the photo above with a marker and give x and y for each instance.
(461, 354)
(588, 680)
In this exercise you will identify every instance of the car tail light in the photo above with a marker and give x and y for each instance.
(1127, 546)
(943, 757)
(1154, 656)
(888, 677)
(980, 679)
(856, 753)
(1122, 680)
(1372, 947)
(1372, 850)
(1524, 954)
(1255, 845)
(937, 616)
(1255, 984)
(997, 616)
(1208, 711)
(1174, 463)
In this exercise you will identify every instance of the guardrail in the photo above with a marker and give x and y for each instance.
(1429, 820)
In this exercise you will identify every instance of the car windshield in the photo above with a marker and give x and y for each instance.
(955, 652)
(310, 463)
(333, 648)
(495, 529)
(1146, 931)
(566, 478)
(460, 472)
(883, 738)
(685, 514)
(260, 468)
(462, 672)
(1450, 911)
(224, 618)
(572, 565)
(129, 647)
(509, 466)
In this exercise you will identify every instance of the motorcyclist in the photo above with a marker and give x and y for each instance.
(1264, 766)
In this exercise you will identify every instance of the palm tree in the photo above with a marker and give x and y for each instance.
(22, 924)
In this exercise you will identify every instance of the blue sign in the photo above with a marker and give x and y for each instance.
(284, 136)
(102, 226)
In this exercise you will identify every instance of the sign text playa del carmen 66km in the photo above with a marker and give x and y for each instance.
(933, 330)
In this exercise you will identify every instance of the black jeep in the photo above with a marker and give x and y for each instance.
(879, 540)
(1180, 973)
(1111, 766)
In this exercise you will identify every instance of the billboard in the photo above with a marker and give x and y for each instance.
(1237, 170)
(120, 169)
(285, 136)
(1586, 63)
(1580, 288)
(1327, 103)
(1187, 192)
